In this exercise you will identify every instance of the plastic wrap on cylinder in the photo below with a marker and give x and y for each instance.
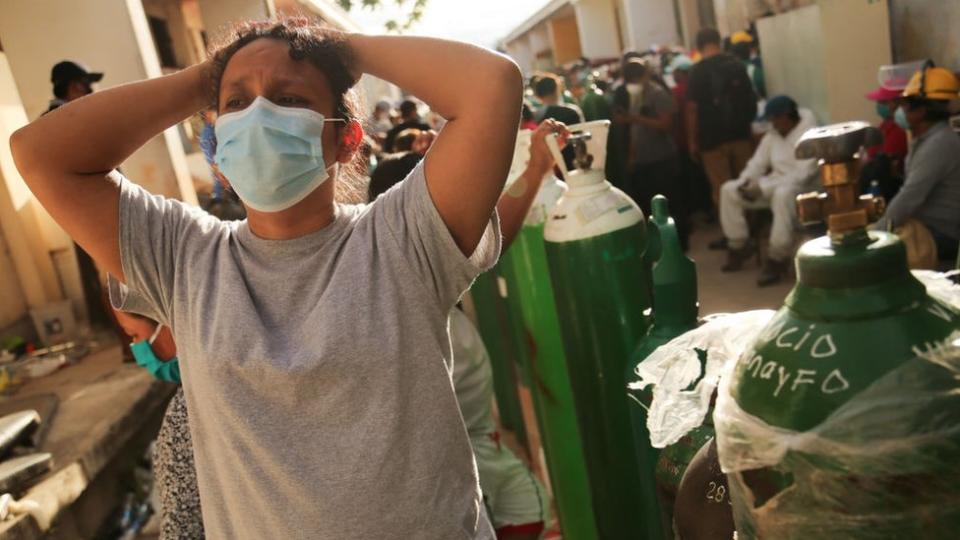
(882, 465)
(681, 389)
(940, 286)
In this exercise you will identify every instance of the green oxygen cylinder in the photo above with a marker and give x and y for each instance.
(494, 321)
(547, 371)
(507, 283)
(595, 239)
(842, 420)
(675, 310)
(672, 466)
(493, 325)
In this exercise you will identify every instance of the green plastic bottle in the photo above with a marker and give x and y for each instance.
(675, 310)
(595, 238)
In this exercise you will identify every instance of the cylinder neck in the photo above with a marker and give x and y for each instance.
(674, 274)
(581, 178)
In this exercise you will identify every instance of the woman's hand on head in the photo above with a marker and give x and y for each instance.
(541, 159)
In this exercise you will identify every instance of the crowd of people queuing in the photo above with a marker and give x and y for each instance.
(698, 126)
(311, 337)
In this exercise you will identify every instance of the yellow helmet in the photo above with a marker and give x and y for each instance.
(933, 83)
(741, 37)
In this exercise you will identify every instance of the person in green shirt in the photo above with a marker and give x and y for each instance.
(592, 101)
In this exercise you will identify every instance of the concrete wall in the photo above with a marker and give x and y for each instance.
(30, 234)
(597, 24)
(735, 15)
(926, 29)
(185, 23)
(649, 22)
(112, 37)
(520, 50)
(792, 58)
(218, 15)
(13, 305)
(827, 64)
(854, 52)
(566, 39)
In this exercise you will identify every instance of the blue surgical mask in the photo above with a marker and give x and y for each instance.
(883, 110)
(271, 155)
(165, 370)
(900, 117)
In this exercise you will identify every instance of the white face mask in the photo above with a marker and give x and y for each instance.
(634, 88)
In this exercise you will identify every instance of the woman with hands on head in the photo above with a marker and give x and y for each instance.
(312, 335)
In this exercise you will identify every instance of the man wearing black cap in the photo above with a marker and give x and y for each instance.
(772, 179)
(71, 80)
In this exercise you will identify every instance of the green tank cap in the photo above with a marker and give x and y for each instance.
(674, 274)
(875, 258)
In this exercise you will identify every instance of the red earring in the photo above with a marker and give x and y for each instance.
(353, 136)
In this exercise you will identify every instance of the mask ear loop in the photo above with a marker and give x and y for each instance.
(155, 334)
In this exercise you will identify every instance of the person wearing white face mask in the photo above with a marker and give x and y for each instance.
(311, 336)
(653, 165)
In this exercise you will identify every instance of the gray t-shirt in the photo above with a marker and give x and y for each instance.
(315, 369)
(931, 186)
(472, 376)
(652, 145)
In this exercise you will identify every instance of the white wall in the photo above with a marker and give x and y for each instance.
(218, 15)
(109, 36)
(649, 22)
(20, 216)
(853, 55)
(827, 64)
(598, 28)
(13, 305)
(519, 49)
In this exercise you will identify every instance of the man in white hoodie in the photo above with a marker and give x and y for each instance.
(772, 179)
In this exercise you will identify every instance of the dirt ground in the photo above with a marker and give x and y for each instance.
(738, 291)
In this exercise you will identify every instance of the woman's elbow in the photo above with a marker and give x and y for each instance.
(20, 149)
(509, 72)
(17, 142)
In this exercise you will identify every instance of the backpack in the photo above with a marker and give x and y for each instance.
(733, 97)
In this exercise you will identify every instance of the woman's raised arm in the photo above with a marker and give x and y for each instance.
(479, 93)
(66, 156)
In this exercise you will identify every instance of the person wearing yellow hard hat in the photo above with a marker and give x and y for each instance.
(744, 46)
(930, 195)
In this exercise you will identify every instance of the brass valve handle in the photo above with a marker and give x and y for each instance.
(837, 147)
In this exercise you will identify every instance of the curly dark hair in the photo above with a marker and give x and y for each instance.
(322, 46)
(326, 49)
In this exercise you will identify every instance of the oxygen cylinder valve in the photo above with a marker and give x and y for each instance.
(583, 158)
(837, 147)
